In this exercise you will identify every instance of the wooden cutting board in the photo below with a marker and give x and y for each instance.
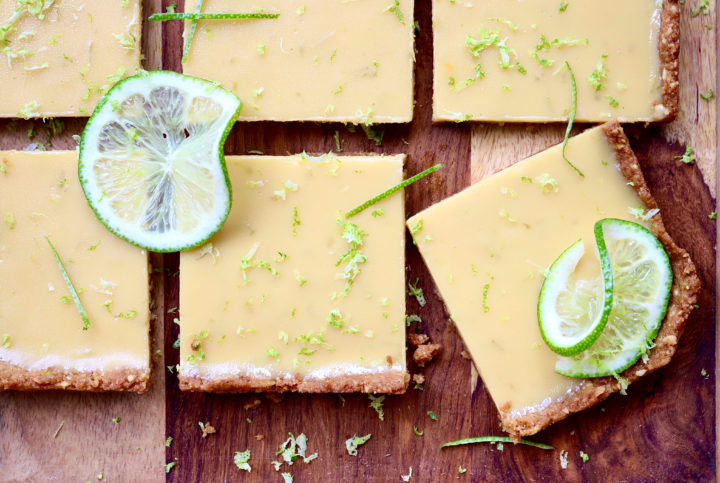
(664, 429)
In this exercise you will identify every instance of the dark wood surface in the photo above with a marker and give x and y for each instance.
(663, 430)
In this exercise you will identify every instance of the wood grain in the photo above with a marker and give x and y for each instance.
(89, 443)
(696, 123)
(626, 437)
(663, 430)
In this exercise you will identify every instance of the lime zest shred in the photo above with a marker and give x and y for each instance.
(395, 8)
(71, 287)
(376, 402)
(163, 17)
(241, 460)
(496, 439)
(352, 444)
(191, 33)
(417, 292)
(394, 189)
(571, 120)
(688, 157)
(706, 97)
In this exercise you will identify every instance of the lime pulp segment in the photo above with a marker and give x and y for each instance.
(151, 159)
(572, 314)
(642, 283)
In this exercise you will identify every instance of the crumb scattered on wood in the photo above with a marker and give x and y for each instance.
(207, 429)
(57, 431)
(425, 353)
(466, 355)
(418, 339)
(259, 436)
(252, 404)
(418, 378)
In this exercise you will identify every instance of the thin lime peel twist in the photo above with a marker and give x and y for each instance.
(392, 190)
(573, 112)
(162, 17)
(71, 287)
(496, 439)
(191, 32)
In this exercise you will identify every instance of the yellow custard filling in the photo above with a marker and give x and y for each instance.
(337, 60)
(499, 60)
(487, 249)
(40, 326)
(288, 286)
(60, 60)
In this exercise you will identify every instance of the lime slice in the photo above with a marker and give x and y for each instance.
(572, 314)
(151, 160)
(642, 281)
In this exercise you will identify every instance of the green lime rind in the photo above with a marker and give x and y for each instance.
(643, 280)
(182, 133)
(569, 332)
(495, 439)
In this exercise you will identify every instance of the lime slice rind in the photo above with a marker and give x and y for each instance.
(569, 317)
(151, 160)
(643, 283)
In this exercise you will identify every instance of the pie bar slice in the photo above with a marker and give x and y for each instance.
(43, 344)
(292, 296)
(60, 57)
(488, 247)
(499, 60)
(318, 61)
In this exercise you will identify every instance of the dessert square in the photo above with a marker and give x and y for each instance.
(43, 343)
(488, 247)
(505, 61)
(291, 296)
(318, 61)
(61, 58)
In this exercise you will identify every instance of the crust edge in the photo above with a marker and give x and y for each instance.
(669, 52)
(686, 285)
(16, 378)
(389, 382)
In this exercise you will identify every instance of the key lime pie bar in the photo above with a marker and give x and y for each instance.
(498, 60)
(62, 55)
(290, 295)
(52, 251)
(488, 249)
(320, 60)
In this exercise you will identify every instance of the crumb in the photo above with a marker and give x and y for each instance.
(389, 360)
(466, 355)
(418, 378)
(424, 353)
(275, 397)
(418, 339)
(259, 437)
(207, 429)
(252, 404)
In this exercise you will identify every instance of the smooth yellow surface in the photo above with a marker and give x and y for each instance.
(246, 320)
(40, 197)
(625, 31)
(498, 237)
(72, 56)
(326, 60)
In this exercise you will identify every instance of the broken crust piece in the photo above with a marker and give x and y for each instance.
(686, 286)
(391, 382)
(15, 378)
(425, 353)
(418, 339)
